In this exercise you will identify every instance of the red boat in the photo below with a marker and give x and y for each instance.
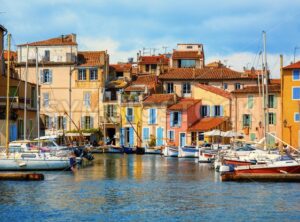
(237, 162)
(281, 166)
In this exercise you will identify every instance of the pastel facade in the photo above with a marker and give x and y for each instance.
(153, 64)
(290, 105)
(247, 113)
(180, 117)
(188, 56)
(154, 119)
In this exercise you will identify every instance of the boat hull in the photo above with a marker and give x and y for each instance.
(129, 150)
(114, 150)
(152, 151)
(185, 152)
(237, 162)
(170, 151)
(205, 157)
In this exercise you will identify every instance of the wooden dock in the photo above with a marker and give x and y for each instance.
(280, 177)
(22, 176)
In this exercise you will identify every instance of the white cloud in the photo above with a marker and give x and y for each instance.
(239, 60)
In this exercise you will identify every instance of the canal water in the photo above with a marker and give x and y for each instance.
(146, 188)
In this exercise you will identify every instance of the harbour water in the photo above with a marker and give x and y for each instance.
(146, 188)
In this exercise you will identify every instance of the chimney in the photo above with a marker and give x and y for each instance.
(73, 36)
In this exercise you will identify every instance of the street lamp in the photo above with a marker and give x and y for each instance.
(285, 124)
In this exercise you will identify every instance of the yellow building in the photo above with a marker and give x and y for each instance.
(291, 104)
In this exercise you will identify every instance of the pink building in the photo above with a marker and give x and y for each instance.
(180, 117)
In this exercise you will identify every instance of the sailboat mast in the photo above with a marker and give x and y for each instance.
(25, 101)
(7, 94)
(267, 93)
(37, 95)
(263, 100)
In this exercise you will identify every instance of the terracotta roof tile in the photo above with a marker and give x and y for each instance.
(61, 40)
(121, 67)
(13, 55)
(184, 104)
(204, 74)
(186, 55)
(141, 82)
(160, 59)
(91, 58)
(254, 89)
(207, 123)
(295, 65)
(160, 98)
(275, 81)
(215, 90)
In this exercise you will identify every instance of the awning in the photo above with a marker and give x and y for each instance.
(207, 123)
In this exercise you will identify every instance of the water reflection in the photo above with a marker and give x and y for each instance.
(145, 188)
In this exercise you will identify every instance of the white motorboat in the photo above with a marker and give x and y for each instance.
(152, 150)
(188, 152)
(170, 151)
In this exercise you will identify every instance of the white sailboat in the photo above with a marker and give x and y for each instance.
(24, 159)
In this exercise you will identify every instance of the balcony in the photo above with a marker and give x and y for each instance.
(16, 102)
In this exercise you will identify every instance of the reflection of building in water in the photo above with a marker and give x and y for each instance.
(138, 167)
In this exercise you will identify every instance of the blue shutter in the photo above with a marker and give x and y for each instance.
(131, 137)
(179, 118)
(212, 111)
(171, 119)
(208, 110)
(159, 136)
(296, 74)
(149, 116)
(41, 76)
(122, 130)
(65, 122)
(50, 76)
(145, 134)
(221, 111)
(296, 93)
(154, 116)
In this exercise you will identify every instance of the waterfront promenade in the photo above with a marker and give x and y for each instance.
(120, 187)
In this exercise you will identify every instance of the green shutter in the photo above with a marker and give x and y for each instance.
(252, 136)
(275, 101)
(250, 101)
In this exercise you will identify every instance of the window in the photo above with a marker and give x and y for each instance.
(204, 111)
(296, 117)
(147, 68)
(194, 137)
(187, 63)
(250, 101)
(46, 76)
(61, 122)
(87, 122)
(296, 93)
(171, 136)
(225, 85)
(119, 74)
(237, 86)
(33, 97)
(46, 100)
(47, 56)
(30, 126)
(272, 118)
(189, 47)
(186, 88)
(82, 74)
(20, 129)
(175, 118)
(170, 87)
(217, 110)
(246, 120)
(48, 122)
(152, 116)
(296, 74)
(87, 99)
(272, 101)
(129, 114)
(200, 136)
(153, 67)
(93, 74)
(111, 111)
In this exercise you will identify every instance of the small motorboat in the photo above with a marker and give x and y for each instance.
(188, 152)
(170, 151)
(153, 150)
(114, 149)
(129, 150)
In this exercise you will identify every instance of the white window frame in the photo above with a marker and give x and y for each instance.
(168, 136)
(46, 75)
(295, 114)
(93, 73)
(293, 75)
(87, 102)
(46, 105)
(185, 88)
(80, 75)
(170, 83)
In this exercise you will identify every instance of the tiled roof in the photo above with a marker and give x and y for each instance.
(207, 123)
(272, 88)
(216, 64)
(275, 81)
(13, 55)
(295, 65)
(215, 90)
(160, 98)
(141, 82)
(184, 104)
(160, 59)
(61, 40)
(186, 55)
(121, 67)
(204, 74)
(91, 58)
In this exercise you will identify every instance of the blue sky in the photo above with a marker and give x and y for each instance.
(230, 30)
